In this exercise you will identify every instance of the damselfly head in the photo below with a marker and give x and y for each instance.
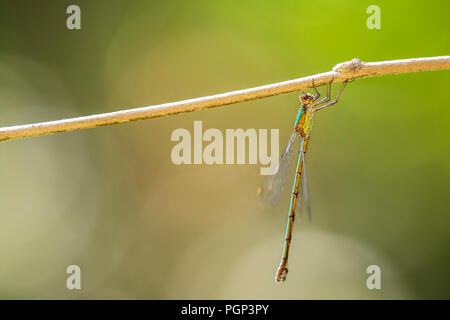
(306, 98)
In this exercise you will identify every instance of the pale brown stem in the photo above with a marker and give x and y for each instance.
(344, 71)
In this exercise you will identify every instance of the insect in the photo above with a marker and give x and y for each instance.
(272, 190)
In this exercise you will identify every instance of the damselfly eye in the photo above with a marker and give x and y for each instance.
(306, 98)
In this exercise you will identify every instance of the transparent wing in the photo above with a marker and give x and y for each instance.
(304, 203)
(271, 190)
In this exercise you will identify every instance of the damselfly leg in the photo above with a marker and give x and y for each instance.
(317, 108)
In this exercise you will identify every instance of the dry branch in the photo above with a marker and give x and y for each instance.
(344, 71)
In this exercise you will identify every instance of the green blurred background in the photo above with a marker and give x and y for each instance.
(111, 201)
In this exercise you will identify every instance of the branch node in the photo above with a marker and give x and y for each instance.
(349, 66)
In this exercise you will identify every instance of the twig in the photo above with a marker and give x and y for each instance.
(344, 71)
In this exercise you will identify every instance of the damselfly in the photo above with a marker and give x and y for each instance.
(272, 189)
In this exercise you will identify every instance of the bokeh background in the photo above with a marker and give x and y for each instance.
(111, 201)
